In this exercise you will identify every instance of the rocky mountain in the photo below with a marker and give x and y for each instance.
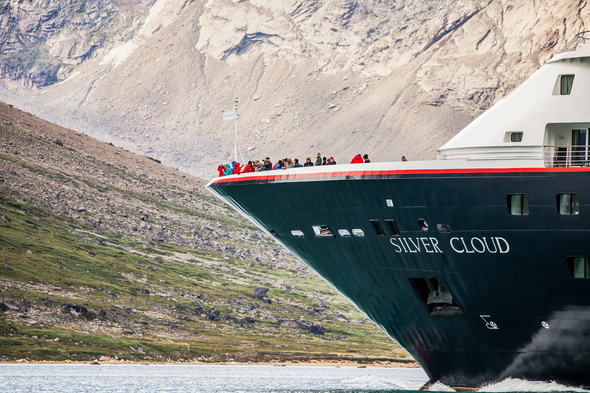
(382, 77)
(112, 256)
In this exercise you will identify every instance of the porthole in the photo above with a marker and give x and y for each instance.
(423, 224)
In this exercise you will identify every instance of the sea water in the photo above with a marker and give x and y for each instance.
(66, 378)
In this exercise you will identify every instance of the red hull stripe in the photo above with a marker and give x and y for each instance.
(292, 175)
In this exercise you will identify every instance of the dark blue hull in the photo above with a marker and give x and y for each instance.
(474, 293)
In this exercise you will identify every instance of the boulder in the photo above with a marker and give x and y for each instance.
(214, 315)
(319, 303)
(259, 293)
(291, 323)
(74, 307)
(342, 318)
(318, 329)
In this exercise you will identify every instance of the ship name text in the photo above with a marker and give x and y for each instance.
(460, 245)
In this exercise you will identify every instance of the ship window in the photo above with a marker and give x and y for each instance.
(392, 227)
(516, 137)
(518, 204)
(322, 231)
(389, 202)
(578, 267)
(297, 233)
(443, 227)
(377, 227)
(358, 232)
(274, 233)
(568, 204)
(344, 232)
(512, 136)
(565, 84)
(436, 297)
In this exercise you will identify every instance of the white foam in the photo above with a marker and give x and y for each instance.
(521, 385)
(440, 387)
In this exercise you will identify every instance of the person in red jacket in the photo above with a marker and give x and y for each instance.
(248, 168)
(357, 159)
(237, 168)
(221, 169)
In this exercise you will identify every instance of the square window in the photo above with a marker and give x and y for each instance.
(389, 202)
(518, 204)
(568, 204)
(513, 136)
(565, 84)
(578, 267)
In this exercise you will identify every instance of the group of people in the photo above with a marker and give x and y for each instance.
(286, 163)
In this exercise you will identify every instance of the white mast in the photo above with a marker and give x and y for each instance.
(235, 115)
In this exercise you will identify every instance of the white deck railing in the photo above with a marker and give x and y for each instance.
(566, 155)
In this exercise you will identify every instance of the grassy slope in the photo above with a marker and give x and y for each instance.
(147, 299)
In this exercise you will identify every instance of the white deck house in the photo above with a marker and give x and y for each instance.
(546, 119)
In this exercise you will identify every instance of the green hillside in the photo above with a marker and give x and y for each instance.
(107, 254)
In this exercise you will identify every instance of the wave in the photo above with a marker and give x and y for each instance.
(514, 385)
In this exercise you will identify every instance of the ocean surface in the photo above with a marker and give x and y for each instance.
(65, 378)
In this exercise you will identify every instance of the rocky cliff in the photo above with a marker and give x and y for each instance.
(342, 77)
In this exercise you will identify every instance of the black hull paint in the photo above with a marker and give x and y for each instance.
(522, 284)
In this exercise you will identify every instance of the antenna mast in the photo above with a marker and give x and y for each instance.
(235, 115)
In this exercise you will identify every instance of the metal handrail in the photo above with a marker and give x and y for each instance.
(566, 155)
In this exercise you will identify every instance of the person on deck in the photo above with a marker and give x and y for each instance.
(308, 162)
(248, 168)
(318, 160)
(237, 168)
(297, 164)
(267, 165)
(357, 159)
(288, 163)
(228, 170)
(366, 158)
(404, 159)
(220, 170)
(331, 161)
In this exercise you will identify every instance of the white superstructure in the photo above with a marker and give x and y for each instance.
(546, 119)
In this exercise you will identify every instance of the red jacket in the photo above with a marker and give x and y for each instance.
(237, 168)
(357, 160)
(220, 169)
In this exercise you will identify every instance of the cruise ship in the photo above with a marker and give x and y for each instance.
(476, 263)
